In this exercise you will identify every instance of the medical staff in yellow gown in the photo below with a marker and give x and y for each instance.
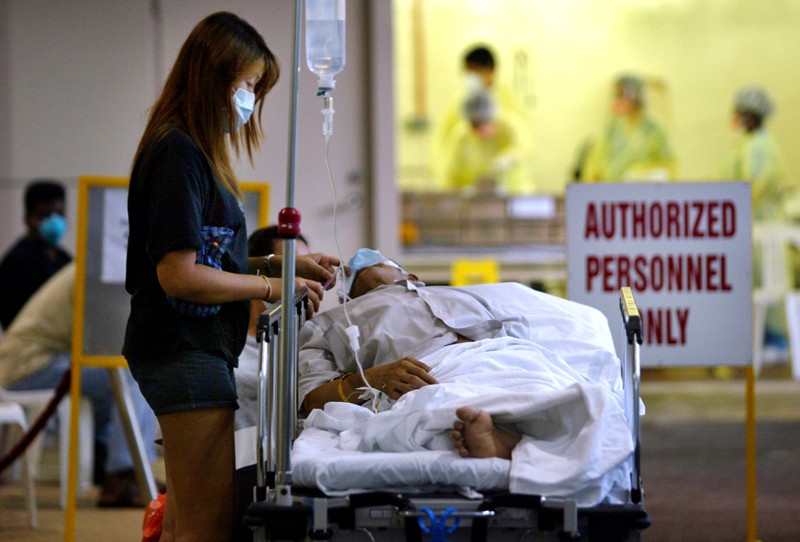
(755, 156)
(634, 146)
(488, 150)
(457, 139)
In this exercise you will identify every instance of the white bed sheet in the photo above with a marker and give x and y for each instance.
(561, 394)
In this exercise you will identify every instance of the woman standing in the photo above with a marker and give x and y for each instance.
(188, 271)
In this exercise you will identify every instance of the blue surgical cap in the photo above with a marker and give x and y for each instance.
(754, 100)
(632, 88)
(479, 108)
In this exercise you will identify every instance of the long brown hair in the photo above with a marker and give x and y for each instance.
(197, 95)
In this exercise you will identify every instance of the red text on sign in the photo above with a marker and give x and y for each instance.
(660, 220)
(667, 273)
(666, 326)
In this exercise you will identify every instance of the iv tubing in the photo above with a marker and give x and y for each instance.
(371, 393)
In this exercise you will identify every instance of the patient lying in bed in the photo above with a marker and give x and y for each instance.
(492, 386)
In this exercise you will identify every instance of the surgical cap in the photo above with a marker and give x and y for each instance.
(632, 88)
(754, 100)
(365, 257)
(479, 108)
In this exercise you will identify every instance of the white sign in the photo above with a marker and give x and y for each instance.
(115, 235)
(684, 248)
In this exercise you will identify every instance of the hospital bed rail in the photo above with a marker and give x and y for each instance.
(631, 377)
(397, 517)
(269, 393)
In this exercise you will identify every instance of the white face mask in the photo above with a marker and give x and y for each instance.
(244, 102)
(473, 83)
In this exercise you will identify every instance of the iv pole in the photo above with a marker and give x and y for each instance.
(288, 230)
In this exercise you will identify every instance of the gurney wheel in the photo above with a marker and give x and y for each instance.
(318, 534)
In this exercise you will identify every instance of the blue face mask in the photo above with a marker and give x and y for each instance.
(364, 257)
(244, 102)
(52, 228)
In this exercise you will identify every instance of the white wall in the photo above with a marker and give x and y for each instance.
(77, 78)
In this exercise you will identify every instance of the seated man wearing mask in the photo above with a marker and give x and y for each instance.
(490, 370)
(37, 255)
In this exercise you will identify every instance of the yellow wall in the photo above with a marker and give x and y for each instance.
(700, 51)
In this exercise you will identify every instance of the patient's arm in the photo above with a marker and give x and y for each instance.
(394, 379)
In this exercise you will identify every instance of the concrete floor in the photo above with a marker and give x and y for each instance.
(693, 467)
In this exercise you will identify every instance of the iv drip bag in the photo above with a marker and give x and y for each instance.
(325, 40)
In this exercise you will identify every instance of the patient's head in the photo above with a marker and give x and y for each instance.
(369, 278)
(370, 269)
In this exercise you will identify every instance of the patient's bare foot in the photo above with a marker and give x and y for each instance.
(475, 435)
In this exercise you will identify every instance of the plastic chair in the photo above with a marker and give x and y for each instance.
(793, 323)
(33, 403)
(771, 245)
(12, 414)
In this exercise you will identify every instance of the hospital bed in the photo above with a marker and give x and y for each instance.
(281, 509)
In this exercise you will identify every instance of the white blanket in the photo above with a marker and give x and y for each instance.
(567, 408)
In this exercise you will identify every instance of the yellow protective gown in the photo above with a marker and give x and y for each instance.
(511, 150)
(631, 148)
(495, 157)
(756, 158)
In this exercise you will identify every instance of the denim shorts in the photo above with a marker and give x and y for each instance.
(186, 381)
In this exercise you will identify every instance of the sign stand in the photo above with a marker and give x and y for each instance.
(750, 454)
(685, 249)
(115, 363)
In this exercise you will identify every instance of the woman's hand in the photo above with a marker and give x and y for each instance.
(313, 288)
(314, 294)
(400, 377)
(316, 266)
